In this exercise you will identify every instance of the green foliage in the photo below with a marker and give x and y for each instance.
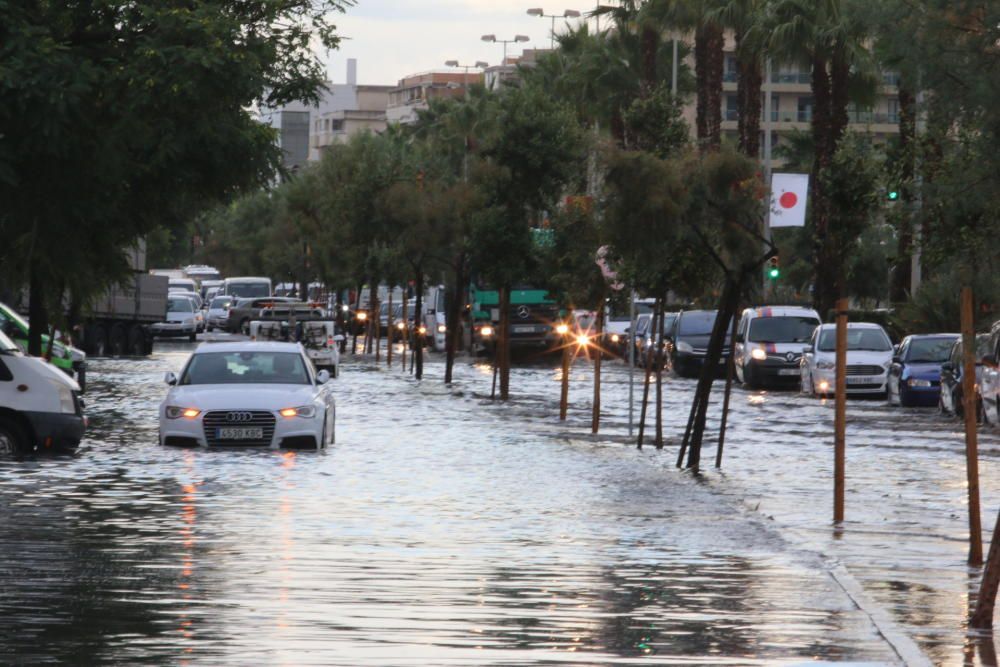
(655, 124)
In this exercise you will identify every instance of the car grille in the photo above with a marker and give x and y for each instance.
(865, 370)
(215, 420)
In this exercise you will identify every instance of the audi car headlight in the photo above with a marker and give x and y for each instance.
(176, 412)
(758, 354)
(683, 346)
(305, 411)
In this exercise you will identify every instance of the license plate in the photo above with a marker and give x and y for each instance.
(864, 380)
(240, 433)
(789, 371)
(523, 329)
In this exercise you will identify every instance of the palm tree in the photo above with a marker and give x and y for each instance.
(745, 19)
(833, 43)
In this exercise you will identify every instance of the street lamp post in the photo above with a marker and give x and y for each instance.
(567, 14)
(480, 64)
(505, 42)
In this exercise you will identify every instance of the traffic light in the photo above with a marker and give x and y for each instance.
(773, 270)
(892, 194)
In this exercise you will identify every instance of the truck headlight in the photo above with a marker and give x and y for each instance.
(66, 403)
(486, 332)
(758, 354)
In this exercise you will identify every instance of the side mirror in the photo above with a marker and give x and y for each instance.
(948, 366)
(323, 377)
(808, 349)
(170, 378)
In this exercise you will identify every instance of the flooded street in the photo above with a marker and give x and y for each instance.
(446, 529)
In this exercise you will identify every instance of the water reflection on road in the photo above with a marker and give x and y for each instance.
(445, 529)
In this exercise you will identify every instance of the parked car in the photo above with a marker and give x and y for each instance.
(618, 320)
(915, 374)
(248, 394)
(180, 319)
(218, 312)
(990, 385)
(769, 341)
(687, 343)
(951, 396)
(869, 355)
(40, 406)
(67, 358)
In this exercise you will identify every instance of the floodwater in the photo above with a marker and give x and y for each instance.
(445, 529)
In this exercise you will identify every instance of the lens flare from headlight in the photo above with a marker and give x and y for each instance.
(583, 340)
(615, 338)
(824, 386)
(400, 326)
(486, 332)
(362, 316)
(562, 329)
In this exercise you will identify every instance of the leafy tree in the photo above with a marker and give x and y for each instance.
(115, 123)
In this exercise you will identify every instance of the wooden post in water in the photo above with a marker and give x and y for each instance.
(982, 617)
(969, 405)
(730, 370)
(595, 417)
(388, 332)
(840, 413)
(564, 389)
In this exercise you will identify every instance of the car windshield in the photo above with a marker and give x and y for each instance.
(696, 323)
(929, 350)
(621, 313)
(782, 329)
(246, 368)
(249, 290)
(221, 302)
(180, 305)
(873, 340)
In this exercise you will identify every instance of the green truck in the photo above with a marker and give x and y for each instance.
(533, 319)
(65, 357)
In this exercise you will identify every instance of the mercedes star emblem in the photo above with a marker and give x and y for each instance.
(523, 312)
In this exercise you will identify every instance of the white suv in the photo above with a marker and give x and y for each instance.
(248, 395)
(869, 356)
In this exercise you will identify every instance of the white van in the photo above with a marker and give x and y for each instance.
(246, 287)
(40, 406)
(769, 342)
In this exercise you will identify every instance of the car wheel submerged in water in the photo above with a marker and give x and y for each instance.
(13, 441)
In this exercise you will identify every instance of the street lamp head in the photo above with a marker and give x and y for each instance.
(482, 64)
(451, 63)
(489, 38)
(536, 11)
(571, 14)
(522, 38)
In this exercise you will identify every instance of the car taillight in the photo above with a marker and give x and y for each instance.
(329, 341)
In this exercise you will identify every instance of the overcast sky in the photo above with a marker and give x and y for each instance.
(394, 38)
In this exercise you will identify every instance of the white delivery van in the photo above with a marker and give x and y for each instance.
(40, 406)
(246, 287)
(769, 344)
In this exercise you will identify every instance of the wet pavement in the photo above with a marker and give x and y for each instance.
(446, 529)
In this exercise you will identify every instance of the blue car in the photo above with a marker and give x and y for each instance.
(915, 373)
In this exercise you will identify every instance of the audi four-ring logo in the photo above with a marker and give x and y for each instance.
(239, 417)
(523, 312)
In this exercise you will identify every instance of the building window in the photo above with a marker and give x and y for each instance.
(805, 111)
(732, 108)
(775, 107)
(337, 125)
(731, 72)
(892, 109)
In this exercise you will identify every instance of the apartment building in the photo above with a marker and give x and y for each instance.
(508, 71)
(414, 92)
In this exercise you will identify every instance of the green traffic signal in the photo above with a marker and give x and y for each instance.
(773, 273)
(893, 195)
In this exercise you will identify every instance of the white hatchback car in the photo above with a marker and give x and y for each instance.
(248, 394)
(869, 356)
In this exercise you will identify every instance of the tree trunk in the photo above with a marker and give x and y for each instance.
(728, 303)
(730, 372)
(824, 266)
(648, 365)
(564, 381)
(354, 325)
(503, 352)
(418, 314)
(900, 287)
(37, 312)
(709, 65)
(748, 98)
(595, 418)
(406, 329)
(388, 330)
(453, 318)
(650, 44)
(341, 322)
(374, 324)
